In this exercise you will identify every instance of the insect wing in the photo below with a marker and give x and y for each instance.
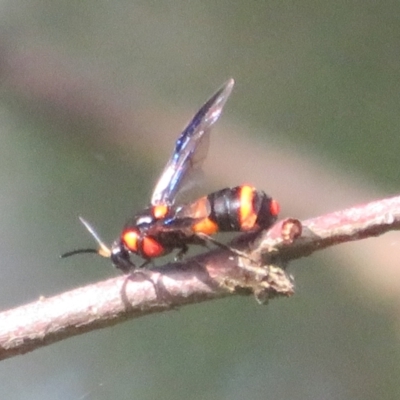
(191, 148)
(196, 210)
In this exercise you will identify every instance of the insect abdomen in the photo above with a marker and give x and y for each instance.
(242, 208)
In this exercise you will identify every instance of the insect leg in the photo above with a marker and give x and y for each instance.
(181, 253)
(208, 239)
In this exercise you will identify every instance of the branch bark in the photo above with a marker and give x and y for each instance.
(219, 273)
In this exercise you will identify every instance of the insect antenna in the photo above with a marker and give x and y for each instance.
(103, 250)
(78, 251)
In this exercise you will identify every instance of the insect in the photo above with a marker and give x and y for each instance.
(165, 226)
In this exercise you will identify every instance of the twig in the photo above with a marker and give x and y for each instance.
(103, 304)
(356, 223)
(209, 276)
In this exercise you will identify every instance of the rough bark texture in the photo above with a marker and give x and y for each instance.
(256, 267)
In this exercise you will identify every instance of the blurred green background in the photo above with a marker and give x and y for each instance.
(93, 96)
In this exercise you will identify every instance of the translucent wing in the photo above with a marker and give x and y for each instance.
(198, 209)
(191, 148)
(183, 219)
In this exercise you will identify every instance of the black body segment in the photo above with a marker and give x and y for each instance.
(229, 209)
(165, 226)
